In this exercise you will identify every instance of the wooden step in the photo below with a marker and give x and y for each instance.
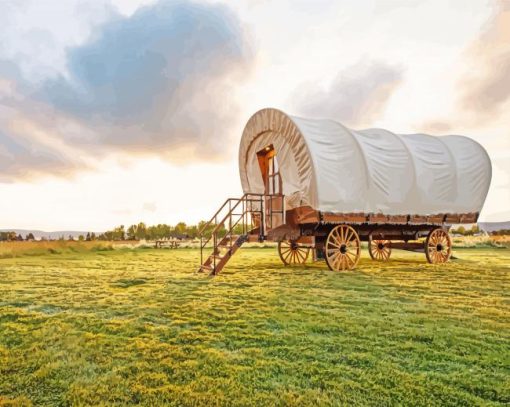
(216, 261)
(204, 266)
(218, 257)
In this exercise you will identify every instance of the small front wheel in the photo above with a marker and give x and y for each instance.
(292, 253)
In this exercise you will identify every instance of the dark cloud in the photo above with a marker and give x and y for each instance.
(158, 82)
(22, 158)
(356, 96)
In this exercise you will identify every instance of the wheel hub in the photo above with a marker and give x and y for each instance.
(343, 249)
(439, 247)
(380, 246)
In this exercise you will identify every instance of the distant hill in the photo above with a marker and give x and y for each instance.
(492, 226)
(49, 235)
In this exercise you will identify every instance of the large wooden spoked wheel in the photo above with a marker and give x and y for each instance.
(343, 248)
(292, 253)
(438, 246)
(379, 249)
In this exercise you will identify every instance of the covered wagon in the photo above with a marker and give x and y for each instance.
(316, 186)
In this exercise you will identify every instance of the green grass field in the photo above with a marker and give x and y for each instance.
(138, 326)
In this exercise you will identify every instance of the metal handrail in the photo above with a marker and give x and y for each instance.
(201, 231)
(248, 198)
(218, 225)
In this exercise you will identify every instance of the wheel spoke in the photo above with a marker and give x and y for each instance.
(336, 261)
(333, 244)
(351, 259)
(337, 240)
(333, 259)
(348, 262)
(341, 262)
(301, 255)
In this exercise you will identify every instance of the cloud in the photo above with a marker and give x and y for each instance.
(355, 97)
(487, 88)
(483, 90)
(149, 206)
(160, 82)
(436, 126)
(19, 158)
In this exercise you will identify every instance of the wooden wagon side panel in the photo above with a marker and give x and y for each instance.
(307, 215)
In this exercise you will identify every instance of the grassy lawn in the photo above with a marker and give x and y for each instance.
(137, 326)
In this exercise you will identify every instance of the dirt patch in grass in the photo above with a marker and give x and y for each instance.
(125, 283)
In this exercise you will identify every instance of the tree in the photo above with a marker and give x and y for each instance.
(87, 238)
(81, 238)
(120, 234)
(461, 230)
(141, 231)
(131, 232)
(180, 228)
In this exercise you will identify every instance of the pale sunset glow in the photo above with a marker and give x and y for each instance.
(116, 112)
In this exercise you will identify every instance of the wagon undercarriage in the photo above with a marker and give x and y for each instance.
(303, 233)
(339, 243)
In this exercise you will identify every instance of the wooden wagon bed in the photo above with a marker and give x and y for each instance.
(306, 214)
(334, 237)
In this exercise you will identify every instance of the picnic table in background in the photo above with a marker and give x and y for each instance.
(172, 244)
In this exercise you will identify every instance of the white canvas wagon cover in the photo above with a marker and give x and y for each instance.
(331, 168)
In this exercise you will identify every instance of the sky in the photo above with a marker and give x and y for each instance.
(120, 111)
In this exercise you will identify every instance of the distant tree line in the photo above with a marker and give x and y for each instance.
(138, 231)
(461, 230)
(13, 237)
(181, 230)
(502, 232)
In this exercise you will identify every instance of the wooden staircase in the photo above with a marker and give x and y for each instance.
(237, 220)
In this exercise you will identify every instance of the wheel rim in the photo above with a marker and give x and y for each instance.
(438, 246)
(342, 248)
(379, 249)
(292, 253)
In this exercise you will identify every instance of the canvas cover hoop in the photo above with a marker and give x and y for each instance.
(332, 168)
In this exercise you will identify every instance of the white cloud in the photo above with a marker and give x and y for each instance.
(356, 97)
(158, 82)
